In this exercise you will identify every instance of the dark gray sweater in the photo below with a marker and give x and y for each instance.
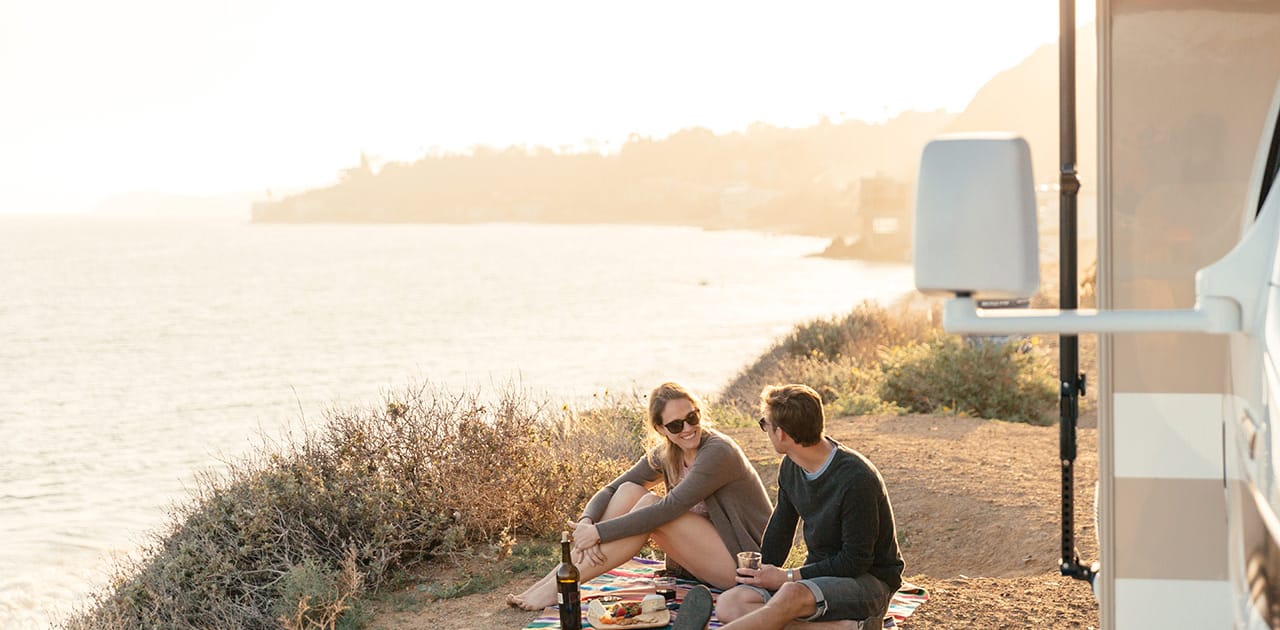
(848, 522)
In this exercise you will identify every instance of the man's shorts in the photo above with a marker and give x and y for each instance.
(842, 598)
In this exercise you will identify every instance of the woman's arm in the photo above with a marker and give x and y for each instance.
(716, 465)
(642, 474)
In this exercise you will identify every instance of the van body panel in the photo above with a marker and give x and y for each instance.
(1158, 424)
(1134, 607)
(1184, 89)
(1149, 546)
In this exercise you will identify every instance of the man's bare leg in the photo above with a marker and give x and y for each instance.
(737, 603)
(791, 602)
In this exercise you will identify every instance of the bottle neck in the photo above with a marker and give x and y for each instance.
(564, 551)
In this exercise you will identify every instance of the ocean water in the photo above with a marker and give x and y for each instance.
(135, 353)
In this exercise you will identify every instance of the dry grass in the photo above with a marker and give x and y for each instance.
(295, 535)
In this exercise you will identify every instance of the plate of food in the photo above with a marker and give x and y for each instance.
(649, 613)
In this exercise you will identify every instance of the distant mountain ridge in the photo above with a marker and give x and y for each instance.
(767, 178)
(800, 180)
(1024, 100)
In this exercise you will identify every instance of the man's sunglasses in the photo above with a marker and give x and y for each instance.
(764, 425)
(676, 426)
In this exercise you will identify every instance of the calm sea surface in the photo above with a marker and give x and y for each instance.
(136, 352)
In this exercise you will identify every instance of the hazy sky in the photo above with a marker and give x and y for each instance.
(242, 95)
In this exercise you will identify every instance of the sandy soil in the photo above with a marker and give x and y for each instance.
(978, 510)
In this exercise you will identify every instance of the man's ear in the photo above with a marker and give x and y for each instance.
(784, 437)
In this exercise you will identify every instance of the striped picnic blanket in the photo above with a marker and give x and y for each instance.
(634, 580)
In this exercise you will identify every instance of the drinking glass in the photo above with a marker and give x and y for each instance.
(665, 585)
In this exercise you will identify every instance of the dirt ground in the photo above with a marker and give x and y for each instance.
(978, 509)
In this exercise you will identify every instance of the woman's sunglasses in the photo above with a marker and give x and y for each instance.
(676, 426)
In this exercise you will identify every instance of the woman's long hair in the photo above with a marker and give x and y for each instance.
(667, 454)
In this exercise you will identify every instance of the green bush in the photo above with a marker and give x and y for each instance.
(864, 405)
(732, 416)
(292, 535)
(840, 354)
(984, 379)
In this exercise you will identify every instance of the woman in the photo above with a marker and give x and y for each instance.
(715, 505)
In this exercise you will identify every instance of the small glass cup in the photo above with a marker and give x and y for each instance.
(665, 585)
(748, 559)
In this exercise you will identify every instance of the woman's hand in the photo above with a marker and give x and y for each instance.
(586, 543)
(587, 557)
(595, 555)
(585, 535)
(767, 577)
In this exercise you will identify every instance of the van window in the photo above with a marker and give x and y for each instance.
(1273, 165)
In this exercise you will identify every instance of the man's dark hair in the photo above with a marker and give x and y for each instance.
(796, 409)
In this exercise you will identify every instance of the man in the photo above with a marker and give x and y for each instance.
(853, 567)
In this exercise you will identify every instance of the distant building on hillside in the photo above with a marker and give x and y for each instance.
(884, 209)
(882, 222)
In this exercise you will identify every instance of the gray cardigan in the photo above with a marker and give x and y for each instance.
(721, 476)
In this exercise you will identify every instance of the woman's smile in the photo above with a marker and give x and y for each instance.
(690, 434)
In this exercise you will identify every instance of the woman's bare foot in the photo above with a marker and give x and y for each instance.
(536, 597)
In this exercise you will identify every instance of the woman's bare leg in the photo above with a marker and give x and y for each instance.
(693, 542)
(629, 496)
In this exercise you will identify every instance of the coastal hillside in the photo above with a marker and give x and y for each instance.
(766, 178)
(1024, 100)
(829, 179)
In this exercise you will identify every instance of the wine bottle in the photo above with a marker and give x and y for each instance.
(567, 595)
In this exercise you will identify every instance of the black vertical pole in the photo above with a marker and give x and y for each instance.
(1071, 382)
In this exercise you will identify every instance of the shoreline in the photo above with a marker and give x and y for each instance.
(838, 246)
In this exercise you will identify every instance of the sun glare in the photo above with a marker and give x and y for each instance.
(251, 95)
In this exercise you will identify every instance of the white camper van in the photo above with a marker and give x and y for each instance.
(1189, 301)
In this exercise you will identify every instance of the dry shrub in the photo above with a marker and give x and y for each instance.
(860, 335)
(743, 392)
(837, 356)
(894, 360)
(293, 535)
(314, 596)
(723, 415)
(1008, 381)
